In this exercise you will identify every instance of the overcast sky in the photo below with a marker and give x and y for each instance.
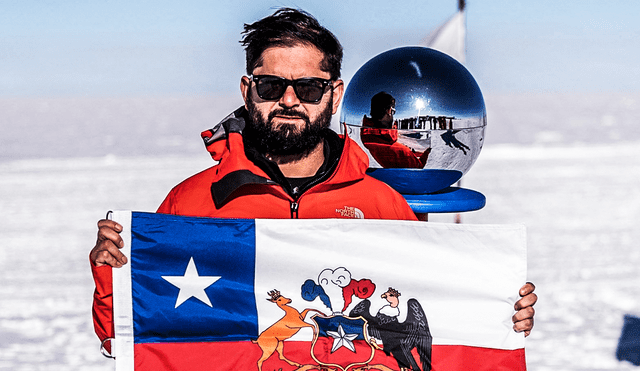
(158, 47)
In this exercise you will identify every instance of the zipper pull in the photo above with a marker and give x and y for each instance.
(294, 210)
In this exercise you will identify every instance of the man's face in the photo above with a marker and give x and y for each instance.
(387, 119)
(287, 126)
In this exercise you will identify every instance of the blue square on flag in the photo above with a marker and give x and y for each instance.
(187, 286)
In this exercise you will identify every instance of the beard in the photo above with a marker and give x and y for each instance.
(286, 139)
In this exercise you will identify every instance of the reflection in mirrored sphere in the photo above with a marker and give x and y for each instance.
(416, 108)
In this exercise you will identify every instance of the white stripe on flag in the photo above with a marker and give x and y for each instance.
(466, 277)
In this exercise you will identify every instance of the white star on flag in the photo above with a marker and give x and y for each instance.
(340, 339)
(191, 284)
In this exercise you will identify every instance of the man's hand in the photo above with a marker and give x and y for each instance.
(523, 319)
(108, 245)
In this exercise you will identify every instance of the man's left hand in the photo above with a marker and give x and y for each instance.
(523, 319)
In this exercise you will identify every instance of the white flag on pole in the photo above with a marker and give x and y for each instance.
(449, 38)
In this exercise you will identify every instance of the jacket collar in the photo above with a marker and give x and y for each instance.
(239, 166)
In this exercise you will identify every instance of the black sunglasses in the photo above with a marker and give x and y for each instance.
(308, 89)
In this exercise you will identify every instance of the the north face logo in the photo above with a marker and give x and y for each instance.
(350, 212)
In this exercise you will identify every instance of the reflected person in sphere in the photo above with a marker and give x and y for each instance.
(379, 135)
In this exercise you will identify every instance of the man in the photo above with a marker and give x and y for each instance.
(379, 135)
(277, 156)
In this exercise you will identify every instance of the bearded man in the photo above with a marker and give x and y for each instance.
(276, 156)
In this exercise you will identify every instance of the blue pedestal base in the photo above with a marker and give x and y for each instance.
(416, 181)
(448, 200)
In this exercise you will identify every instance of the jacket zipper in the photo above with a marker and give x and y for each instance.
(294, 209)
(296, 193)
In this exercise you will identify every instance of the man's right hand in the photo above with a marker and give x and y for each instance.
(108, 245)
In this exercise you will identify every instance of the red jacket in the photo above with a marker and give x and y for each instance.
(384, 147)
(238, 188)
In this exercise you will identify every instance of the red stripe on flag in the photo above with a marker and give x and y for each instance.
(464, 358)
(245, 355)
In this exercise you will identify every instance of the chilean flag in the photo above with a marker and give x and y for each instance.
(330, 294)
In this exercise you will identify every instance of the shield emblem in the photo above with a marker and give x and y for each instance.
(341, 342)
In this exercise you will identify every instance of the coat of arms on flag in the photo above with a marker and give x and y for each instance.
(216, 294)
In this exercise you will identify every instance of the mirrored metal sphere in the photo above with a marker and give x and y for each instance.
(419, 115)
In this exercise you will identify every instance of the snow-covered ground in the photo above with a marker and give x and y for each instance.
(579, 199)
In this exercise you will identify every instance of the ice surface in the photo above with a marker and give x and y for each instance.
(580, 201)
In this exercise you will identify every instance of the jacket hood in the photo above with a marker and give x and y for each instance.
(215, 139)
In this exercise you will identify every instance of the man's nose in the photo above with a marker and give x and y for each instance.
(289, 98)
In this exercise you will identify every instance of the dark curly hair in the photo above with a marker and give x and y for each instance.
(289, 27)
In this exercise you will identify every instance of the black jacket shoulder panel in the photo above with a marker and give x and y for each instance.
(224, 187)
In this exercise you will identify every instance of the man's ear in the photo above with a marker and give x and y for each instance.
(245, 89)
(338, 92)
